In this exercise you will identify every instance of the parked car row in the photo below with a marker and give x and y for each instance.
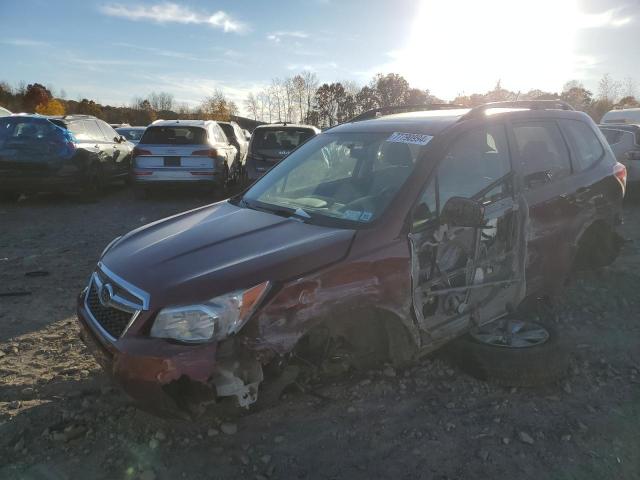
(82, 154)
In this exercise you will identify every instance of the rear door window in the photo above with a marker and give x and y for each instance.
(588, 149)
(174, 135)
(542, 151)
(93, 131)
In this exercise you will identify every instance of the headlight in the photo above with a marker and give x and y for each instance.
(212, 320)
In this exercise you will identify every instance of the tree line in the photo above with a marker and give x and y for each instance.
(37, 98)
(303, 98)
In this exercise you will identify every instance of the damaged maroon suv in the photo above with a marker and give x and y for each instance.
(394, 231)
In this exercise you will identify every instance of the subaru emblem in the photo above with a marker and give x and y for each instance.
(105, 294)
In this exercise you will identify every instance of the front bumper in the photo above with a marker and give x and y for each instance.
(169, 378)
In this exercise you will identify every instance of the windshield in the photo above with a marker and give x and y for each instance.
(285, 139)
(346, 176)
(174, 136)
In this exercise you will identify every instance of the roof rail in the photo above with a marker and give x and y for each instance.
(530, 104)
(382, 111)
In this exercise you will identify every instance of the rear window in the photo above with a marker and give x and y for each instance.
(174, 136)
(280, 139)
(612, 136)
(130, 133)
(26, 128)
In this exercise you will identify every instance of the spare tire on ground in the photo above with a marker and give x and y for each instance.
(509, 352)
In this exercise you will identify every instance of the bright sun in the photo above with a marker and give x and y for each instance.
(465, 46)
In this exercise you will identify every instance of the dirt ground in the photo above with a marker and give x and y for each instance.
(60, 418)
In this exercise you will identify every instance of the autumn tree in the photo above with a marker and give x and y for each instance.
(217, 107)
(391, 89)
(35, 94)
(52, 107)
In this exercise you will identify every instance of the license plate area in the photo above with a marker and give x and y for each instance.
(171, 161)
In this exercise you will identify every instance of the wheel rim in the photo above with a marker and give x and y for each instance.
(511, 334)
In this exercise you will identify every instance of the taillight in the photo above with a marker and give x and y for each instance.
(140, 151)
(209, 152)
(620, 172)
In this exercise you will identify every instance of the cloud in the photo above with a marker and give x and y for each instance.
(612, 18)
(24, 42)
(173, 13)
(277, 37)
(313, 67)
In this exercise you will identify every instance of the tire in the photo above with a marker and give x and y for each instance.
(93, 187)
(514, 367)
(9, 197)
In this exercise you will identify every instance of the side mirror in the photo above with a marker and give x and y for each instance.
(462, 212)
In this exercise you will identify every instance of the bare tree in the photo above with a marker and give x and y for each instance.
(252, 105)
(311, 83)
(161, 101)
(608, 89)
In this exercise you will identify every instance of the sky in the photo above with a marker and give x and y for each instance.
(113, 51)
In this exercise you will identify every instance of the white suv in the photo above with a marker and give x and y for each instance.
(182, 152)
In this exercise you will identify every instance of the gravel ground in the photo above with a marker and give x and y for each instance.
(60, 418)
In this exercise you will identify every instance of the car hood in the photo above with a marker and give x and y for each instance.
(202, 253)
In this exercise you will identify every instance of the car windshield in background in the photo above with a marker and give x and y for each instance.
(174, 136)
(343, 176)
(26, 129)
(285, 139)
(133, 134)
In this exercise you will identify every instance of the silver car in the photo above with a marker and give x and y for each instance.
(182, 152)
(625, 143)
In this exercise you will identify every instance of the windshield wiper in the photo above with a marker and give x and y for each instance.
(277, 210)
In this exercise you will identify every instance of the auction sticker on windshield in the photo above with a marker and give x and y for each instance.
(412, 138)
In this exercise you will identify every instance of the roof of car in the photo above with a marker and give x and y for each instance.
(135, 127)
(629, 127)
(433, 120)
(428, 122)
(186, 123)
(286, 125)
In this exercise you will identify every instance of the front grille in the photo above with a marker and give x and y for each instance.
(112, 320)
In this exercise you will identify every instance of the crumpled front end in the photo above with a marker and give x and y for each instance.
(172, 378)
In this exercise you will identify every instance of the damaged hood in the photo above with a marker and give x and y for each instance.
(202, 253)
